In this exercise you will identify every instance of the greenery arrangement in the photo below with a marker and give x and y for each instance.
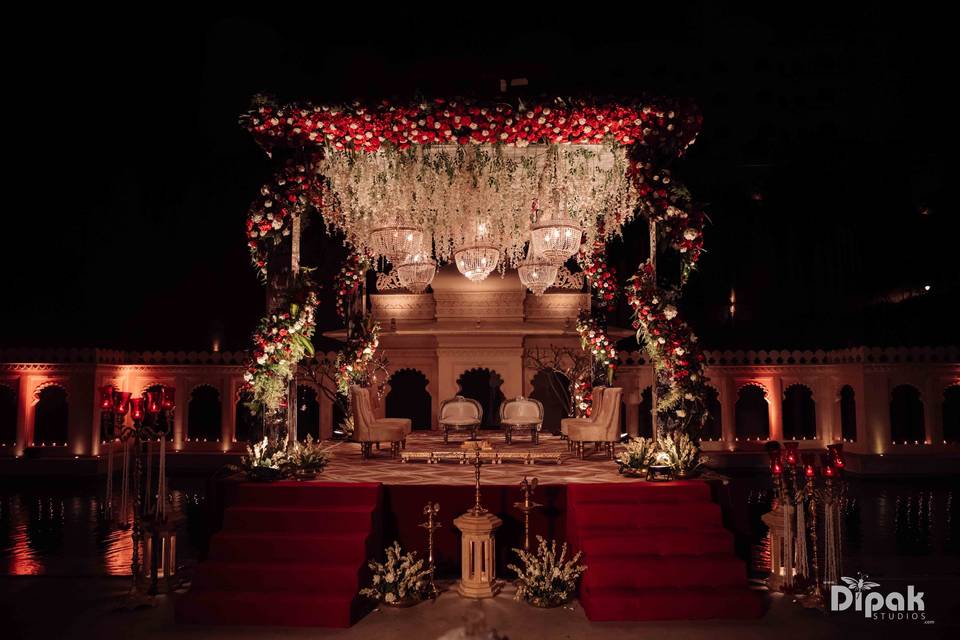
(683, 452)
(274, 459)
(546, 578)
(399, 581)
(637, 455)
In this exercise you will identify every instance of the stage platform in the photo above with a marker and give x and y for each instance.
(346, 465)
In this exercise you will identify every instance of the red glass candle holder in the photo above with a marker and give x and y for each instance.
(121, 402)
(776, 468)
(791, 453)
(168, 398)
(836, 455)
(136, 408)
(106, 397)
(153, 402)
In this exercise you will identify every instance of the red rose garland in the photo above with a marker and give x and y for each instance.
(279, 343)
(291, 191)
(348, 281)
(669, 341)
(601, 277)
(668, 125)
(595, 340)
(352, 362)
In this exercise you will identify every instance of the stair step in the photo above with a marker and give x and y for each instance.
(282, 609)
(610, 603)
(348, 548)
(648, 572)
(672, 492)
(316, 520)
(307, 494)
(633, 516)
(329, 579)
(602, 542)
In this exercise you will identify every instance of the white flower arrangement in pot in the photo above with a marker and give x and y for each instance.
(683, 452)
(547, 579)
(399, 581)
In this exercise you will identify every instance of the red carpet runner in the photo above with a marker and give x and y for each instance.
(289, 554)
(656, 551)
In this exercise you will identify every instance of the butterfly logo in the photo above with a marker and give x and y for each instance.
(859, 584)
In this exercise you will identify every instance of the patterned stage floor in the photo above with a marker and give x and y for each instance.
(346, 465)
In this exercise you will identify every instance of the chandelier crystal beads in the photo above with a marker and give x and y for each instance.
(537, 274)
(416, 272)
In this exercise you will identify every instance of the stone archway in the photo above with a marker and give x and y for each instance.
(409, 398)
(483, 385)
(906, 415)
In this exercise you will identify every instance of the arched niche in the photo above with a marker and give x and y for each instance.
(8, 415)
(51, 417)
(752, 414)
(483, 385)
(204, 414)
(713, 428)
(951, 413)
(848, 414)
(552, 389)
(248, 426)
(906, 415)
(308, 413)
(799, 413)
(409, 398)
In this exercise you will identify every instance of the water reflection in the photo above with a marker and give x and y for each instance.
(58, 528)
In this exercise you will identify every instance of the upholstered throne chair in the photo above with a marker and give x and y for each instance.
(369, 430)
(605, 431)
(597, 403)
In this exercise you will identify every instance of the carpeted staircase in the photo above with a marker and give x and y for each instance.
(289, 554)
(656, 551)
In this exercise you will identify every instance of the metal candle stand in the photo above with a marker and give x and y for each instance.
(798, 493)
(528, 505)
(431, 510)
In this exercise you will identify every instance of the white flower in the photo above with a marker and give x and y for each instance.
(390, 597)
(690, 234)
(670, 312)
(390, 577)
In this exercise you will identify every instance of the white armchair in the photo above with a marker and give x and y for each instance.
(460, 413)
(521, 413)
(605, 430)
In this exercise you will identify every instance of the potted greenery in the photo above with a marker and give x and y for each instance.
(264, 461)
(683, 452)
(400, 581)
(547, 579)
(636, 456)
(305, 461)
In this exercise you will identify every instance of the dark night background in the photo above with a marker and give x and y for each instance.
(821, 163)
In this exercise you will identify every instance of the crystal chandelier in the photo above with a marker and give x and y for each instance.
(477, 261)
(537, 274)
(556, 237)
(416, 272)
(396, 241)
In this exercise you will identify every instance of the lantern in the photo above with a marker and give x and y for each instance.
(836, 455)
(776, 468)
(478, 562)
(160, 538)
